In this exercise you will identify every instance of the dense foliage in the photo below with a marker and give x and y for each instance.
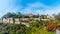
(18, 15)
(12, 28)
(36, 27)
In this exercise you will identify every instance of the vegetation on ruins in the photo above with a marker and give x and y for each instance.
(36, 27)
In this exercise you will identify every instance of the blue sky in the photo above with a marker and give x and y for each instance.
(30, 6)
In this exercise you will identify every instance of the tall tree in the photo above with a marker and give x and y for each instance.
(57, 17)
(19, 16)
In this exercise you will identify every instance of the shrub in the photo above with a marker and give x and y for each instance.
(58, 26)
(51, 27)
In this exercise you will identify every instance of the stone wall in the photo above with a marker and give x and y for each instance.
(10, 20)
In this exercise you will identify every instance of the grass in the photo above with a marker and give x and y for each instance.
(44, 31)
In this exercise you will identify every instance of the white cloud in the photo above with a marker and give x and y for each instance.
(36, 8)
(40, 8)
